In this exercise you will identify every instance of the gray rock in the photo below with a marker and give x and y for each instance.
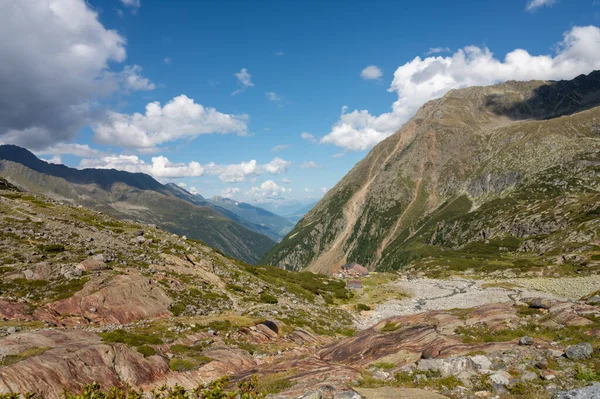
(449, 366)
(589, 392)
(11, 330)
(529, 376)
(482, 363)
(500, 378)
(540, 303)
(580, 351)
(526, 341)
(347, 395)
(595, 300)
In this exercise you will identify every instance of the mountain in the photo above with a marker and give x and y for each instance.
(502, 177)
(299, 213)
(134, 196)
(267, 223)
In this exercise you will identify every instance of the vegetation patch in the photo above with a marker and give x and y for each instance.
(30, 352)
(129, 338)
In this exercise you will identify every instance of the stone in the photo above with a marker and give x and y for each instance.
(526, 341)
(529, 376)
(11, 330)
(347, 395)
(449, 366)
(548, 375)
(595, 300)
(555, 353)
(580, 351)
(91, 265)
(381, 375)
(540, 303)
(589, 392)
(500, 378)
(482, 363)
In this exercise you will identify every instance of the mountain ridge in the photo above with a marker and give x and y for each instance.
(138, 196)
(480, 142)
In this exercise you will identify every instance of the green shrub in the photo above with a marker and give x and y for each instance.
(390, 326)
(177, 308)
(52, 248)
(265, 297)
(146, 350)
(362, 307)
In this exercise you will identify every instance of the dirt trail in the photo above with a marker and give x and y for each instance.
(432, 294)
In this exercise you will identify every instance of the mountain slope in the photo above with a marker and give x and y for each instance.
(502, 174)
(267, 223)
(299, 213)
(133, 196)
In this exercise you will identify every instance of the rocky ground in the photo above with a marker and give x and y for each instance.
(86, 298)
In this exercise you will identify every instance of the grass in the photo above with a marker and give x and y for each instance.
(146, 350)
(30, 352)
(277, 382)
(383, 365)
(129, 338)
(362, 307)
(265, 297)
(188, 363)
(390, 326)
(52, 248)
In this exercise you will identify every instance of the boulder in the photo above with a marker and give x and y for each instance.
(91, 265)
(580, 351)
(540, 303)
(595, 300)
(527, 341)
(500, 378)
(589, 392)
(449, 366)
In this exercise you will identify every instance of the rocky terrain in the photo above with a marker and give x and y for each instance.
(136, 196)
(494, 179)
(88, 298)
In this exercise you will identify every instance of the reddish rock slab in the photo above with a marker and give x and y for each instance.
(73, 359)
(11, 310)
(119, 300)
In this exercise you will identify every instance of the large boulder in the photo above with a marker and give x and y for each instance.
(580, 351)
(589, 392)
(450, 366)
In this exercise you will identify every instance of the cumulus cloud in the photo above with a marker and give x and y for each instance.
(437, 50)
(269, 189)
(421, 80)
(79, 150)
(132, 3)
(285, 180)
(179, 118)
(160, 168)
(230, 192)
(280, 147)
(277, 166)
(54, 68)
(134, 81)
(533, 5)
(308, 190)
(244, 80)
(308, 137)
(272, 96)
(372, 72)
(55, 160)
(309, 165)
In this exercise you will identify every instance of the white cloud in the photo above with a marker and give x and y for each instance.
(372, 72)
(277, 166)
(339, 154)
(230, 192)
(533, 5)
(272, 96)
(235, 172)
(308, 137)
(269, 189)
(55, 160)
(54, 69)
(160, 168)
(194, 190)
(245, 80)
(279, 53)
(308, 190)
(324, 190)
(134, 81)
(437, 50)
(133, 4)
(421, 80)
(79, 150)
(309, 165)
(168, 61)
(280, 147)
(179, 118)
(285, 180)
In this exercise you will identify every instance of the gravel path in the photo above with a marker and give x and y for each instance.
(432, 294)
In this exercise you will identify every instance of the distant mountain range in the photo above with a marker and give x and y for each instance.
(299, 213)
(140, 197)
(263, 221)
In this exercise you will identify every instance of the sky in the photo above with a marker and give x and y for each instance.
(269, 102)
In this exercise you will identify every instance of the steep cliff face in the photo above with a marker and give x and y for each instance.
(436, 184)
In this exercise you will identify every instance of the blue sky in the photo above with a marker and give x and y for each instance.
(271, 70)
